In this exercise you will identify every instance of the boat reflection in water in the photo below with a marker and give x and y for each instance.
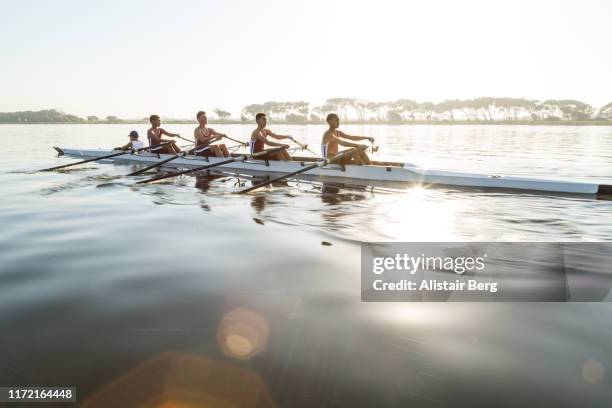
(331, 193)
(204, 180)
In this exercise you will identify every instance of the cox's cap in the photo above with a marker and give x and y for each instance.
(133, 133)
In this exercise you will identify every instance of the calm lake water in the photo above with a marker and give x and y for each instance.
(256, 299)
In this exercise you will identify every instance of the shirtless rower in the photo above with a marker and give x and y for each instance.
(259, 139)
(155, 138)
(334, 137)
(204, 137)
(133, 144)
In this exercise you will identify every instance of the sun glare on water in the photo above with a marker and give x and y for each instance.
(415, 216)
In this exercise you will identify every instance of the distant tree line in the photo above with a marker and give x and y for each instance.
(478, 110)
(52, 116)
(485, 109)
(43, 116)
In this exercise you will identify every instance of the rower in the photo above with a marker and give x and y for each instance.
(155, 138)
(133, 144)
(259, 138)
(204, 137)
(334, 137)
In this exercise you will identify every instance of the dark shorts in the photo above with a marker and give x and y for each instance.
(163, 150)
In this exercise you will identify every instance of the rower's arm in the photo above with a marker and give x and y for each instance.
(127, 146)
(345, 136)
(278, 137)
(217, 135)
(342, 142)
(257, 136)
(206, 140)
(270, 143)
(165, 132)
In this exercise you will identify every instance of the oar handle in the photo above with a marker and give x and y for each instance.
(374, 148)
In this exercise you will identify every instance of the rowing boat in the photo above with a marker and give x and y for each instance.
(377, 172)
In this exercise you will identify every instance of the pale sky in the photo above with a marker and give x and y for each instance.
(133, 58)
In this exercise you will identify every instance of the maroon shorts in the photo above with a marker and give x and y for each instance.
(206, 153)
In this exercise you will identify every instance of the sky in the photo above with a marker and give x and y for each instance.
(133, 58)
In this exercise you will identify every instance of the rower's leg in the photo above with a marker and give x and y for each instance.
(216, 151)
(364, 157)
(224, 150)
(286, 155)
(354, 158)
(175, 148)
(360, 158)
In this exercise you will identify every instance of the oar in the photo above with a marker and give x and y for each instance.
(237, 141)
(98, 158)
(302, 146)
(303, 170)
(185, 139)
(375, 147)
(207, 166)
(227, 137)
(176, 156)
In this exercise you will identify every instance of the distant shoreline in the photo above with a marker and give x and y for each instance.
(344, 122)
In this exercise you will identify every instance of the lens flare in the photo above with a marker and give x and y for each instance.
(243, 333)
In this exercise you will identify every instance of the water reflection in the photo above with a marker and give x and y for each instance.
(332, 193)
(388, 213)
(183, 381)
(203, 181)
(258, 202)
(95, 281)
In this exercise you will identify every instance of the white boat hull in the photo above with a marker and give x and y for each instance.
(397, 172)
